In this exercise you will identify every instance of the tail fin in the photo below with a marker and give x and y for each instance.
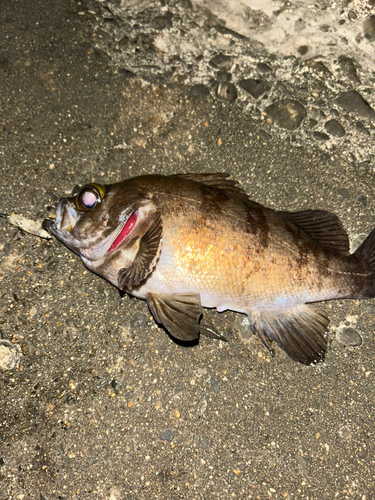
(366, 252)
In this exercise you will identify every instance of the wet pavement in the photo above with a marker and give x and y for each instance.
(96, 400)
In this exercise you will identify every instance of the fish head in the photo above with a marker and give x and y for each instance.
(104, 224)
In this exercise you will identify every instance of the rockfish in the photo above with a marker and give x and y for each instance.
(187, 241)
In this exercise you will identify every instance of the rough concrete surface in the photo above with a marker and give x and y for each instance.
(96, 401)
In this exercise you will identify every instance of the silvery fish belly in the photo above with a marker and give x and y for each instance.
(189, 241)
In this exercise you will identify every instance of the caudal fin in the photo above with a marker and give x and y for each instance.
(366, 252)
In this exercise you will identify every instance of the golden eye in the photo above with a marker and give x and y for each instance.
(89, 196)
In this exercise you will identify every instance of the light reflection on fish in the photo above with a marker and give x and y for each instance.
(188, 241)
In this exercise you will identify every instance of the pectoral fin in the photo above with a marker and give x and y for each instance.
(145, 260)
(299, 330)
(178, 313)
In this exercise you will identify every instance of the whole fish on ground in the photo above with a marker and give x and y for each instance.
(187, 241)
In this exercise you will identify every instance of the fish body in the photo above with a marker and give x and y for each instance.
(189, 241)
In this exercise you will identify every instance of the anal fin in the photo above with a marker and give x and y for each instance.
(300, 331)
(178, 313)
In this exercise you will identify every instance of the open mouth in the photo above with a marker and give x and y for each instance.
(125, 231)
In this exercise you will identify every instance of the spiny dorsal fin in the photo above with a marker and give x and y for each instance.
(145, 260)
(217, 180)
(321, 226)
(178, 313)
(299, 330)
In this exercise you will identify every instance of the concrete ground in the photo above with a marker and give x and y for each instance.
(96, 401)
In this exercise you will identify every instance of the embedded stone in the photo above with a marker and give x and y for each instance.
(287, 113)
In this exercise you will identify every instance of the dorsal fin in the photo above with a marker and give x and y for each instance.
(323, 227)
(217, 180)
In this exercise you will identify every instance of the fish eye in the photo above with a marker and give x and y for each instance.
(88, 197)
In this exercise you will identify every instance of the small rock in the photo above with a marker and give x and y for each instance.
(129, 75)
(167, 435)
(226, 31)
(344, 432)
(287, 113)
(227, 91)
(362, 200)
(318, 66)
(115, 386)
(243, 326)
(204, 443)
(334, 128)
(263, 68)
(163, 22)
(353, 102)
(349, 337)
(320, 136)
(369, 27)
(215, 386)
(138, 319)
(200, 90)
(348, 68)
(71, 400)
(352, 16)
(362, 129)
(10, 355)
(303, 50)
(253, 87)
(124, 42)
(223, 76)
(345, 195)
(221, 61)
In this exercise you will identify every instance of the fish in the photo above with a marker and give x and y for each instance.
(185, 242)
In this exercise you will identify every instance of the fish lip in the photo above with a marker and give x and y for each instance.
(102, 249)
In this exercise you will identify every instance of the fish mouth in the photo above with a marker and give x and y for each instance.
(109, 244)
(124, 230)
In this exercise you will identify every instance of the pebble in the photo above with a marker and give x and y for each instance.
(223, 76)
(253, 87)
(349, 337)
(243, 326)
(226, 31)
(204, 443)
(115, 386)
(348, 68)
(362, 200)
(263, 68)
(320, 136)
(221, 61)
(167, 435)
(369, 28)
(334, 128)
(200, 90)
(138, 319)
(227, 91)
(287, 113)
(163, 22)
(362, 129)
(10, 355)
(129, 75)
(71, 400)
(353, 102)
(215, 386)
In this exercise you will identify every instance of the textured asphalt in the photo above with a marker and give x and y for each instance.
(103, 404)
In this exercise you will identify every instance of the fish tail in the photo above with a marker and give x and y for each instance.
(366, 253)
